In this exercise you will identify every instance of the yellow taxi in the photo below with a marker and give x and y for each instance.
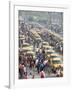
(32, 53)
(57, 62)
(27, 47)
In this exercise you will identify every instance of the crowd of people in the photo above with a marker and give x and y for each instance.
(41, 64)
(26, 62)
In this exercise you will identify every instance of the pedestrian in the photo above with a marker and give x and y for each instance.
(21, 71)
(25, 69)
(58, 72)
(42, 74)
(43, 53)
(33, 76)
(25, 75)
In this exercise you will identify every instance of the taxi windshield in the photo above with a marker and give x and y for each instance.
(56, 62)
